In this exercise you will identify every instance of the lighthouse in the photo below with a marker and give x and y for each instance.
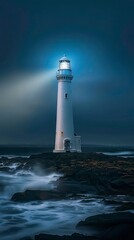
(65, 140)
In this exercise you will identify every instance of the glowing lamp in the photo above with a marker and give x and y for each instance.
(64, 63)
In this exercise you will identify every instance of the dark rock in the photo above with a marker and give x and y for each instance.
(5, 169)
(106, 220)
(119, 232)
(34, 195)
(125, 206)
(83, 172)
(26, 238)
(112, 226)
(70, 186)
(111, 202)
(125, 184)
(75, 236)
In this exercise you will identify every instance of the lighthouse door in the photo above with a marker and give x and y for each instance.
(67, 145)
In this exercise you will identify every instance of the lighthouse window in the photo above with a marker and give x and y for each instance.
(66, 95)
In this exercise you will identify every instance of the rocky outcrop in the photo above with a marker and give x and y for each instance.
(35, 195)
(75, 236)
(125, 206)
(110, 226)
(83, 173)
(68, 185)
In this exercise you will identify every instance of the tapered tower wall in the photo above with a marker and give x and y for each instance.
(65, 141)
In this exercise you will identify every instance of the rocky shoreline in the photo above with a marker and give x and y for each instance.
(84, 173)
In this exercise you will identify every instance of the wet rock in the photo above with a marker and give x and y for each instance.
(110, 226)
(111, 202)
(106, 220)
(75, 236)
(70, 186)
(83, 172)
(26, 238)
(124, 180)
(34, 195)
(5, 169)
(125, 206)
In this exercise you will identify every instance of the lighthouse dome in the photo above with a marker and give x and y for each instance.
(64, 58)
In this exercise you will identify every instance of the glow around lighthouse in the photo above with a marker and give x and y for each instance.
(65, 140)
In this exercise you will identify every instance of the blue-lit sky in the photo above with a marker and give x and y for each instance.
(98, 37)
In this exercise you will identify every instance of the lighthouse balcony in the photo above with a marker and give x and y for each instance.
(64, 74)
(64, 77)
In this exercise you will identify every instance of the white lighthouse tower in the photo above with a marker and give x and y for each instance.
(65, 140)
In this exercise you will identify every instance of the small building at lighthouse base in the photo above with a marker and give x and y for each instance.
(69, 146)
(77, 143)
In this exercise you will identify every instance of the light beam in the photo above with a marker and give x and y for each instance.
(21, 94)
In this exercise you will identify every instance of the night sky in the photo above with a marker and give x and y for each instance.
(98, 37)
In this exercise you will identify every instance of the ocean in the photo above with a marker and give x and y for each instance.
(26, 151)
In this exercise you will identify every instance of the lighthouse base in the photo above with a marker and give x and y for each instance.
(59, 151)
(64, 151)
